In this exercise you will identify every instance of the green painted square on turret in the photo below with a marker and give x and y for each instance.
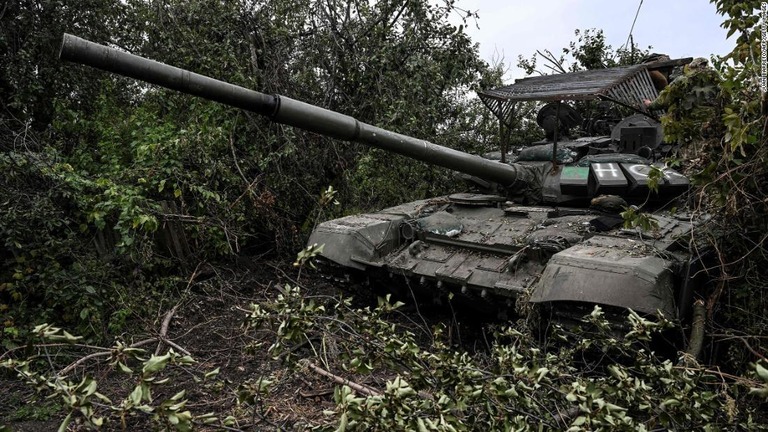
(574, 180)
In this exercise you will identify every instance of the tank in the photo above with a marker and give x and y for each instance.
(541, 222)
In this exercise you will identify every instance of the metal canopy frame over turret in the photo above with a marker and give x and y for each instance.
(623, 83)
(628, 86)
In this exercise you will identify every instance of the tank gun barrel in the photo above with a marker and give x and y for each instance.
(282, 109)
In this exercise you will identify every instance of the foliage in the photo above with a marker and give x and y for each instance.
(729, 171)
(391, 372)
(82, 401)
(694, 106)
(306, 255)
(371, 61)
(112, 189)
(80, 287)
(116, 188)
(633, 218)
(513, 384)
(589, 51)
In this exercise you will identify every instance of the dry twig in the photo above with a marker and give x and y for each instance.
(360, 388)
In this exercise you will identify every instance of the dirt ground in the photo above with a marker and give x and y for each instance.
(210, 324)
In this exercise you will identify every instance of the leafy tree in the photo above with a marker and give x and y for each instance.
(104, 170)
(730, 174)
(33, 83)
(399, 65)
(47, 263)
(589, 51)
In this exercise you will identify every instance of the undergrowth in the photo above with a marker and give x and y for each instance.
(390, 373)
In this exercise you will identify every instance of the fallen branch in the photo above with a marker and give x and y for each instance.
(724, 376)
(744, 341)
(163, 337)
(315, 393)
(106, 353)
(178, 347)
(697, 329)
(565, 416)
(360, 388)
(48, 345)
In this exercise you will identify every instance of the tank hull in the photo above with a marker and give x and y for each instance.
(491, 252)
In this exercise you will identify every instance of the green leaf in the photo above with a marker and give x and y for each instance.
(672, 402)
(187, 360)
(541, 373)
(342, 423)
(178, 395)
(65, 424)
(155, 363)
(759, 391)
(761, 372)
(420, 424)
(124, 368)
(102, 398)
(136, 395)
(212, 373)
(91, 389)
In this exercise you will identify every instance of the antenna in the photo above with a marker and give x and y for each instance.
(633, 24)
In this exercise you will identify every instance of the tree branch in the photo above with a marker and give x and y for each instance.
(343, 381)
